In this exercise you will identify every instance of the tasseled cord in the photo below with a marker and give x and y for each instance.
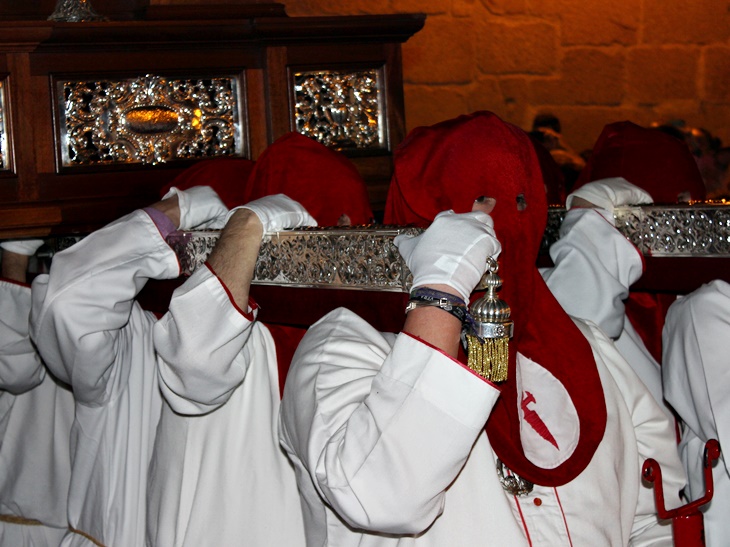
(487, 335)
(488, 358)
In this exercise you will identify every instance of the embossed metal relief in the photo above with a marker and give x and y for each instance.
(341, 109)
(151, 119)
(192, 248)
(4, 160)
(363, 258)
(366, 258)
(552, 228)
(61, 243)
(681, 230)
(75, 11)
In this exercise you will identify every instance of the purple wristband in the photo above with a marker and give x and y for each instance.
(161, 220)
(433, 294)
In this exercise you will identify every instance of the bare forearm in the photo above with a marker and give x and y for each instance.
(435, 326)
(14, 266)
(234, 256)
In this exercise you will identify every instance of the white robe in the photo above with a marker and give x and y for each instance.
(696, 374)
(94, 336)
(594, 267)
(36, 413)
(215, 477)
(219, 476)
(386, 435)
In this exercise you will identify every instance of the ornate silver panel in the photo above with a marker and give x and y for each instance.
(552, 228)
(342, 258)
(367, 259)
(148, 120)
(341, 109)
(681, 230)
(4, 154)
(75, 11)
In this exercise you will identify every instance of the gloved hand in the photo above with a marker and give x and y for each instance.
(278, 212)
(200, 208)
(26, 247)
(610, 193)
(452, 251)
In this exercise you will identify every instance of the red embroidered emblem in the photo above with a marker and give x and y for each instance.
(532, 418)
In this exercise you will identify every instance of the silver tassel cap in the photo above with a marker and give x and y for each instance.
(488, 340)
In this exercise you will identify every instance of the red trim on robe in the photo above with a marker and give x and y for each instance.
(14, 282)
(457, 361)
(251, 304)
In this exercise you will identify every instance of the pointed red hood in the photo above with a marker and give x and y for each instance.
(649, 158)
(449, 165)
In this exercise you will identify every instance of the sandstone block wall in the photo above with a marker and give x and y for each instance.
(590, 62)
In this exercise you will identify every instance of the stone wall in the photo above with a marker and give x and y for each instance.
(590, 62)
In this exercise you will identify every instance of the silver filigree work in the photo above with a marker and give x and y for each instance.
(511, 482)
(342, 110)
(679, 230)
(3, 129)
(363, 258)
(75, 11)
(552, 228)
(692, 230)
(151, 119)
(366, 258)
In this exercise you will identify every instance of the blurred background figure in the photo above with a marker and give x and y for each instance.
(547, 130)
(713, 159)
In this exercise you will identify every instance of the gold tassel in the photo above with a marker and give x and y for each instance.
(487, 337)
(488, 358)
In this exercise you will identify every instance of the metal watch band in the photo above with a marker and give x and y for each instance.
(457, 310)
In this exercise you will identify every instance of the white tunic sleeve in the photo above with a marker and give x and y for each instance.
(81, 309)
(382, 431)
(20, 366)
(202, 345)
(594, 267)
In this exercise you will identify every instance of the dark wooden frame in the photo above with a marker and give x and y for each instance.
(38, 197)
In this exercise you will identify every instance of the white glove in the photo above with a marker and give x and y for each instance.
(200, 208)
(452, 251)
(278, 212)
(26, 247)
(610, 193)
